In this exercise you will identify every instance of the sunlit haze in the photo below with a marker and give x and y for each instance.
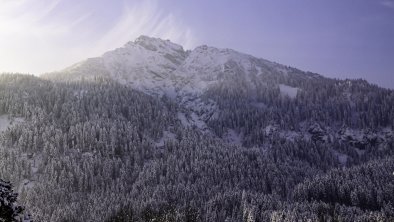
(341, 39)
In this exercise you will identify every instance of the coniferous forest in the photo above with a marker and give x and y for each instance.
(101, 151)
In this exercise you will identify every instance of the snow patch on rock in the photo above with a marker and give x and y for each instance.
(167, 136)
(7, 121)
(233, 137)
(288, 91)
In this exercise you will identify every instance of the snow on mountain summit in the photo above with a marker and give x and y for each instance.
(161, 67)
(239, 98)
(156, 44)
(146, 63)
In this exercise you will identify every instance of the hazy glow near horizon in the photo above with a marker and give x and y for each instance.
(48, 35)
(336, 38)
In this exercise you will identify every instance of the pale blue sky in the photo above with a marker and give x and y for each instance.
(336, 38)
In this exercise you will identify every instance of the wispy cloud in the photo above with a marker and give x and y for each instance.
(34, 38)
(47, 35)
(146, 18)
(388, 3)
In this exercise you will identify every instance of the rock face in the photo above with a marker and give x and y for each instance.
(365, 137)
(318, 134)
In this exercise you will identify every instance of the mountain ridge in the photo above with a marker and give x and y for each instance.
(157, 58)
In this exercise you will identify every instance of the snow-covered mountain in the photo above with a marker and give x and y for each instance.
(154, 132)
(196, 79)
(161, 67)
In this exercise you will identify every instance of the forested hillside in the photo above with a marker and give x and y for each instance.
(150, 132)
(98, 150)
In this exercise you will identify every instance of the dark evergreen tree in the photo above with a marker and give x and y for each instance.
(9, 209)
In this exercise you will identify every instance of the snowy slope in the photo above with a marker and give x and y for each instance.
(194, 78)
(7, 121)
(160, 67)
